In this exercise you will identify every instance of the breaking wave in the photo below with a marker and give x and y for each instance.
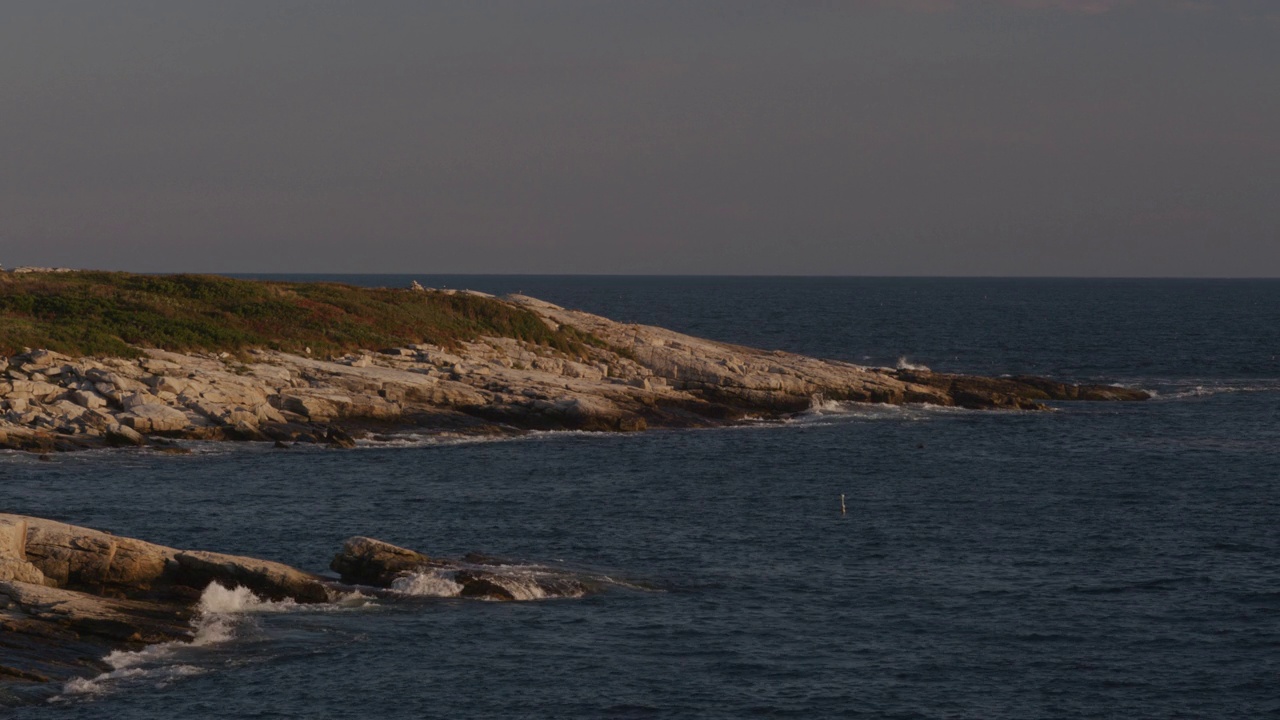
(427, 583)
(222, 615)
(823, 411)
(903, 364)
(1165, 389)
(417, 440)
(523, 582)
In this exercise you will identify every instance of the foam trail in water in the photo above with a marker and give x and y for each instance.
(1182, 389)
(524, 582)
(828, 412)
(219, 613)
(522, 586)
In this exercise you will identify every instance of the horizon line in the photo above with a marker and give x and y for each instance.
(833, 276)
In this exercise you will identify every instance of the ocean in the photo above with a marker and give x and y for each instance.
(1100, 560)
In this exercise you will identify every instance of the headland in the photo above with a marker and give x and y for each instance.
(94, 359)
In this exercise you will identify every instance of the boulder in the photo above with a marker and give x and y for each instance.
(138, 399)
(37, 389)
(366, 561)
(268, 579)
(40, 359)
(118, 435)
(154, 418)
(314, 408)
(115, 380)
(158, 366)
(164, 384)
(87, 399)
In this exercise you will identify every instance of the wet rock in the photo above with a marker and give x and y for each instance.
(339, 439)
(366, 561)
(479, 585)
(271, 580)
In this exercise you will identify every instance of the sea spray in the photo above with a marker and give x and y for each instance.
(904, 364)
(430, 583)
(522, 582)
(219, 615)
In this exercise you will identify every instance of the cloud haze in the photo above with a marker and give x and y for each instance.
(993, 137)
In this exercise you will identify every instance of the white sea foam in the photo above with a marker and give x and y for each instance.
(429, 583)
(221, 614)
(218, 601)
(524, 587)
(419, 440)
(524, 582)
(1182, 389)
(903, 364)
(822, 411)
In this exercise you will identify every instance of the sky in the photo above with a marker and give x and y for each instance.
(1130, 138)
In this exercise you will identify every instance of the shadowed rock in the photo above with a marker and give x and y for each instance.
(365, 561)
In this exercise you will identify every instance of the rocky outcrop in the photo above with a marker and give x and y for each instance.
(91, 561)
(70, 595)
(365, 561)
(628, 377)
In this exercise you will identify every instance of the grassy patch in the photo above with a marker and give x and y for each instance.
(102, 313)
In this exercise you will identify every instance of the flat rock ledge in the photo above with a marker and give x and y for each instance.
(71, 595)
(629, 377)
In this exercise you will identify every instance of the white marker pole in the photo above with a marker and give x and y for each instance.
(842, 508)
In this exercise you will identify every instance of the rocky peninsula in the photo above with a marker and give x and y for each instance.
(134, 360)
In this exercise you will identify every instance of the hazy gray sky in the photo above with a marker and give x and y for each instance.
(909, 137)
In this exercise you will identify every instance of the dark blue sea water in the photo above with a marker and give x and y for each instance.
(1104, 560)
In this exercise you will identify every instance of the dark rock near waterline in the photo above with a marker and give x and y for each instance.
(1022, 392)
(479, 585)
(70, 595)
(365, 561)
(271, 580)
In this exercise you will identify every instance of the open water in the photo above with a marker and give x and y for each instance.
(1103, 560)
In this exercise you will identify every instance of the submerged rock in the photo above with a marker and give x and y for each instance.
(366, 561)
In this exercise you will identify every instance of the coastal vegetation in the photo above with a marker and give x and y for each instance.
(114, 314)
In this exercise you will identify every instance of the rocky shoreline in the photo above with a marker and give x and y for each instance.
(71, 595)
(628, 377)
